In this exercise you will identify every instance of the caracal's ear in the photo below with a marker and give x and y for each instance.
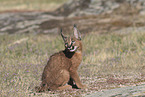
(63, 37)
(77, 34)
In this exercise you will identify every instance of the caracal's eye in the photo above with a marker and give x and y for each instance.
(72, 47)
(73, 42)
(66, 44)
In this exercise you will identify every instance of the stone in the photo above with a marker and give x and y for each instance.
(94, 7)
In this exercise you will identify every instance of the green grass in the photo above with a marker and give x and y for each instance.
(44, 5)
(23, 57)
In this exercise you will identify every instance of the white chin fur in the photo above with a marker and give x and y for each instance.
(72, 50)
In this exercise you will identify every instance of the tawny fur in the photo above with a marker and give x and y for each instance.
(62, 68)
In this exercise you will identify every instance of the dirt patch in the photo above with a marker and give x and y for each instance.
(117, 81)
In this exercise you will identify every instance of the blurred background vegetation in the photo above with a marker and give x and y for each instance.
(30, 5)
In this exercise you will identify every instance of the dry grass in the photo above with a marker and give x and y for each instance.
(108, 61)
(116, 53)
(28, 5)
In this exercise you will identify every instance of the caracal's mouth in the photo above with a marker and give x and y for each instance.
(73, 49)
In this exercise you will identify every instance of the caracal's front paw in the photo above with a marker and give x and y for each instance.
(82, 87)
(85, 86)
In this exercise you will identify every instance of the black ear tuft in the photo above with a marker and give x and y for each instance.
(75, 25)
(64, 38)
(61, 30)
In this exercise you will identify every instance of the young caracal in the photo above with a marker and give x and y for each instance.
(61, 68)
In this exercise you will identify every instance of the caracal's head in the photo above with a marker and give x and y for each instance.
(73, 43)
